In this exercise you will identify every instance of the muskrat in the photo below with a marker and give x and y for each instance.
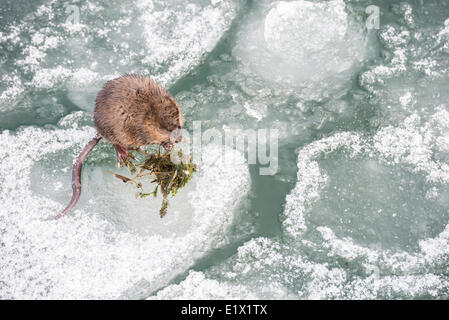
(130, 111)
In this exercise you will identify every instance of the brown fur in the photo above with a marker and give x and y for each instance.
(130, 111)
(134, 110)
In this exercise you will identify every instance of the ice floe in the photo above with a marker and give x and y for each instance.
(323, 259)
(112, 245)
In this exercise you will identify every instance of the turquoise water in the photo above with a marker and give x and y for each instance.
(358, 208)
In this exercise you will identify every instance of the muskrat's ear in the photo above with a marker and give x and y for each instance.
(138, 91)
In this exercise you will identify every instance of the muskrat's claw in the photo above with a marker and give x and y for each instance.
(122, 154)
(167, 145)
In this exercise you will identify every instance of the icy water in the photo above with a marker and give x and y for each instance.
(358, 209)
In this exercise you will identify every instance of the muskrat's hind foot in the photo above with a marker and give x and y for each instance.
(122, 154)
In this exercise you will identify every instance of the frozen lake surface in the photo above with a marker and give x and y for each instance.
(358, 209)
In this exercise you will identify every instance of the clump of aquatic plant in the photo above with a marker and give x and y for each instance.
(169, 177)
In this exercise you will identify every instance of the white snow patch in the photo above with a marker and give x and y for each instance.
(90, 254)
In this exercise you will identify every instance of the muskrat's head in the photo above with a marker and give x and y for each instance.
(171, 122)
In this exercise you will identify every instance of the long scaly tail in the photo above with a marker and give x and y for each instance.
(76, 175)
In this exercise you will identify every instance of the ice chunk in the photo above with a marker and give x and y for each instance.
(412, 74)
(178, 36)
(263, 84)
(197, 286)
(160, 39)
(291, 26)
(248, 275)
(401, 169)
(422, 147)
(282, 271)
(367, 219)
(112, 245)
(311, 180)
(399, 150)
(308, 45)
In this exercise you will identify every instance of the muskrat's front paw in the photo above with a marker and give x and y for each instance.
(120, 161)
(167, 145)
(122, 154)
